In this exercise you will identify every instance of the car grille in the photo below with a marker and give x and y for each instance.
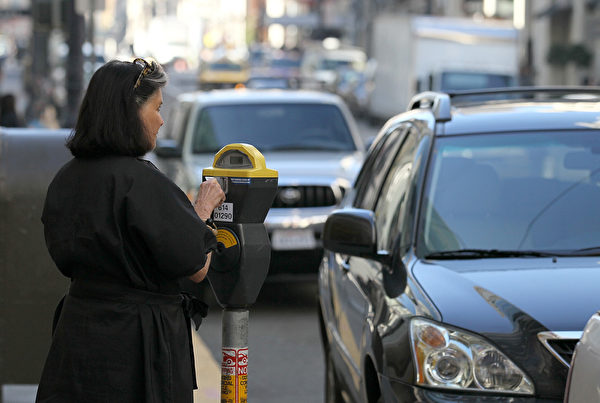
(560, 344)
(304, 196)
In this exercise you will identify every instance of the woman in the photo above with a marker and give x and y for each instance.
(125, 234)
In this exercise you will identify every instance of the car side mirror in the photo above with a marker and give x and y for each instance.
(167, 148)
(353, 232)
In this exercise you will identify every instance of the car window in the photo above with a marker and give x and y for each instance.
(525, 191)
(375, 167)
(273, 127)
(178, 122)
(268, 82)
(391, 203)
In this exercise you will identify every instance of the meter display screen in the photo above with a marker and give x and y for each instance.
(234, 159)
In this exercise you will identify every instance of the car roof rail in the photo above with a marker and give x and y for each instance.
(438, 102)
(549, 89)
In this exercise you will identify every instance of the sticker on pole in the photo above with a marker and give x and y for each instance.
(234, 375)
(223, 213)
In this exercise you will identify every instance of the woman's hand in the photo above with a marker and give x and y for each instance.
(210, 196)
(201, 274)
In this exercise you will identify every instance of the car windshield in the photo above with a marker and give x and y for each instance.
(273, 127)
(512, 194)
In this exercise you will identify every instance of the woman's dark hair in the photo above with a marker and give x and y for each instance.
(108, 121)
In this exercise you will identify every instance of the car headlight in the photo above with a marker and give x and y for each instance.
(454, 359)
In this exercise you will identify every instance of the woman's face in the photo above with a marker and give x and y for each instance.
(150, 116)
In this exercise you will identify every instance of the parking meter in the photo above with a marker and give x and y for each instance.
(240, 264)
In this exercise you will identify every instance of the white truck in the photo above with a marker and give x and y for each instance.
(419, 53)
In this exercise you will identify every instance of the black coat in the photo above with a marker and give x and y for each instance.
(125, 234)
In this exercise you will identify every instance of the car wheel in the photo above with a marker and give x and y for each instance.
(333, 393)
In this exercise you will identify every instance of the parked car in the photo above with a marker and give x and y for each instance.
(310, 138)
(285, 65)
(320, 66)
(583, 382)
(463, 264)
(222, 73)
(355, 87)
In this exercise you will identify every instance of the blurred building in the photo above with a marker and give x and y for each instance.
(560, 38)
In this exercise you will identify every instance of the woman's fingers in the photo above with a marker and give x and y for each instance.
(210, 195)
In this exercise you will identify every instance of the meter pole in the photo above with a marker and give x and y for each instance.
(234, 364)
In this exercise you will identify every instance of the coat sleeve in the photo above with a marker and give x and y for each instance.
(165, 226)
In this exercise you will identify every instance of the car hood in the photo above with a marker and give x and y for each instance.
(488, 295)
(297, 168)
(307, 167)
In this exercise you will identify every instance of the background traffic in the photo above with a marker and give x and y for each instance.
(374, 54)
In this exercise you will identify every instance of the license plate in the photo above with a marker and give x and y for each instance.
(293, 239)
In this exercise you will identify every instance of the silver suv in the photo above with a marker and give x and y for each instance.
(311, 138)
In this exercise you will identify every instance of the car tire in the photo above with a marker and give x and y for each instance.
(333, 393)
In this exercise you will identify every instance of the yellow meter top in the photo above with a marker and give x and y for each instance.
(240, 160)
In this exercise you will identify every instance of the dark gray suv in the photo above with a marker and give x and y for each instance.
(463, 265)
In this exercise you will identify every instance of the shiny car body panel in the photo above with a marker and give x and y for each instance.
(563, 298)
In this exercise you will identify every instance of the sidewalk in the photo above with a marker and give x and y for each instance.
(208, 373)
(208, 376)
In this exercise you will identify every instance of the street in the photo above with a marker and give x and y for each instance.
(181, 82)
(285, 356)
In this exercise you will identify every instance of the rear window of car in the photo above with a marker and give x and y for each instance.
(527, 191)
(225, 67)
(273, 127)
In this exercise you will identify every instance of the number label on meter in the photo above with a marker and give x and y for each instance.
(224, 213)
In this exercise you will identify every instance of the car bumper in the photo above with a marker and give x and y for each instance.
(395, 391)
(296, 246)
(301, 226)
(297, 218)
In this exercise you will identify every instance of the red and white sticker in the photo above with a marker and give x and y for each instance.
(234, 375)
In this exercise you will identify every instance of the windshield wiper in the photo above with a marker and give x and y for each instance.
(302, 148)
(489, 253)
(593, 251)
